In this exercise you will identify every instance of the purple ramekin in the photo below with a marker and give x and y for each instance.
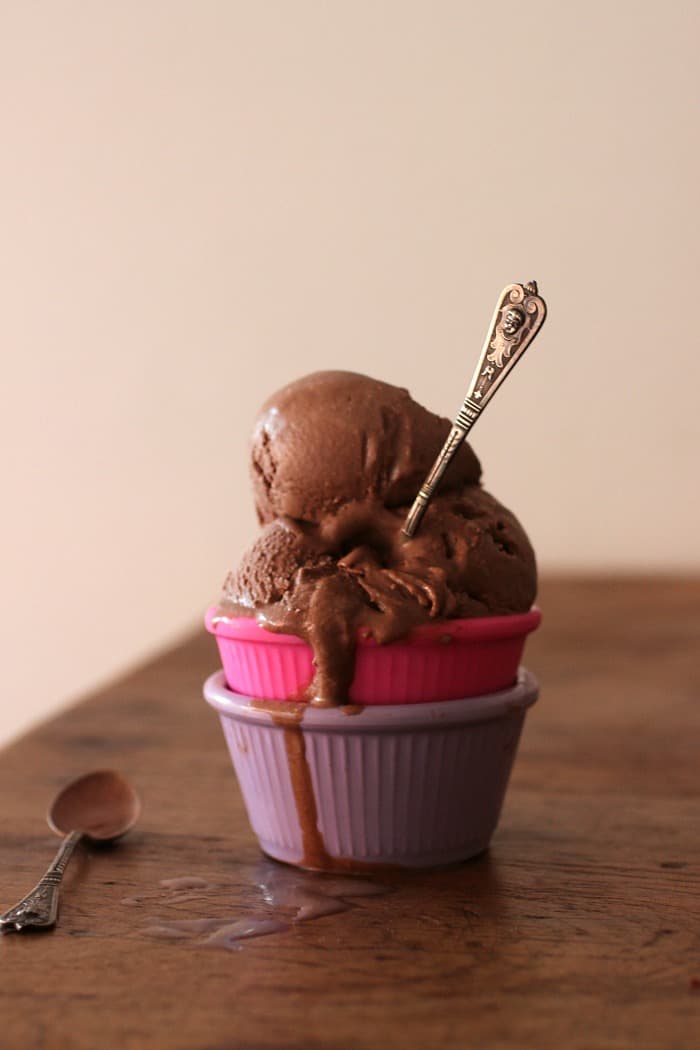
(412, 785)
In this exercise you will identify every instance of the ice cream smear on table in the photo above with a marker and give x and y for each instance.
(336, 461)
(287, 897)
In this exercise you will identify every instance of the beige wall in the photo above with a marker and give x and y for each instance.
(202, 200)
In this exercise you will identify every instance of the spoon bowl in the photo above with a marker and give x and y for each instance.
(102, 805)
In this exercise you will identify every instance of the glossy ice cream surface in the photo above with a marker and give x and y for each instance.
(337, 459)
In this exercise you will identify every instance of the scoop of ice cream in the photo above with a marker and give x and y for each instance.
(337, 459)
(267, 571)
(470, 557)
(334, 437)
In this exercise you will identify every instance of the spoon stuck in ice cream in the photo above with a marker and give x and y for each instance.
(518, 317)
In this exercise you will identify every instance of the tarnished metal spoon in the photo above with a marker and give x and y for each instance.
(99, 807)
(520, 313)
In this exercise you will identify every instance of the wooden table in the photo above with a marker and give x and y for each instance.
(580, 928)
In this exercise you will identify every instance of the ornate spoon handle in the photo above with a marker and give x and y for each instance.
(39, 909)
(518, 317)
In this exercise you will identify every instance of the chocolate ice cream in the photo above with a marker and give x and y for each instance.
(337, 459)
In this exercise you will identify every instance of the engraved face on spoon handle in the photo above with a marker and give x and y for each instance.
(520, 313)
(39, 909)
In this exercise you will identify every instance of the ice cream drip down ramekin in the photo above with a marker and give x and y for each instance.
(413, 786)
(449, 660)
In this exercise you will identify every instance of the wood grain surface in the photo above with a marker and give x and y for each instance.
(579, 929)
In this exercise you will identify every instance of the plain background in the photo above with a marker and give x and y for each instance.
(201, 201)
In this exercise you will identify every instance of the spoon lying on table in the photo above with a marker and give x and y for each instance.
(99, 807)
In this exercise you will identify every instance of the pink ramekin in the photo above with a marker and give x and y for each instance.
(450, 660)
(413, 786)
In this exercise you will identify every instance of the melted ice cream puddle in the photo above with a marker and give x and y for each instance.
(290, 898)
(184, 888)
(227, 937)
(186, 882)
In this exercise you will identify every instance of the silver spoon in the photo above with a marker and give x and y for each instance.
(520, 313)
(99, 807)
